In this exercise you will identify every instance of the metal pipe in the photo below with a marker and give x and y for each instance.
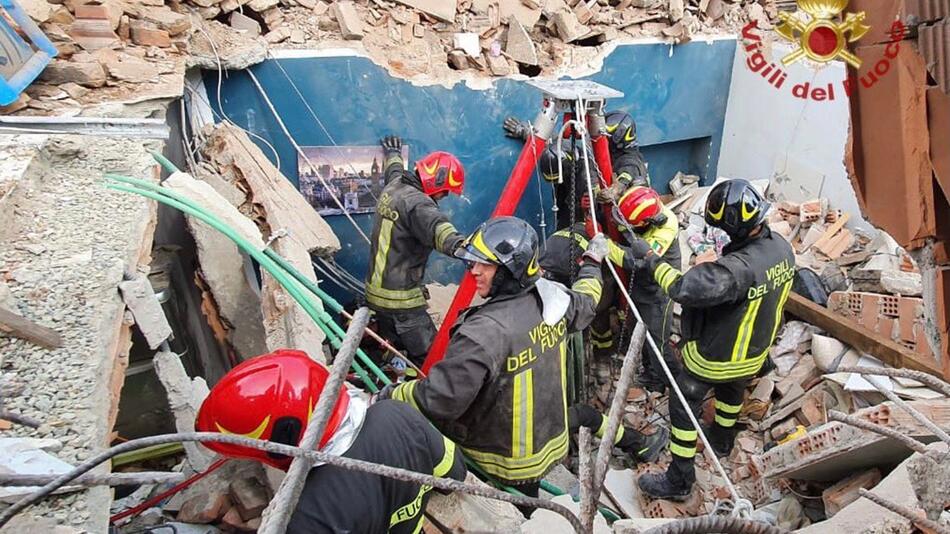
(95, 479)
(277, 514)
(277, 448)
(714, 524)
(927, 379)
(921, 418)
(908, 441)
(904, 512)
(19, 419)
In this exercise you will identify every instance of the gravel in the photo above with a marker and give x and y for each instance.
(71, 241)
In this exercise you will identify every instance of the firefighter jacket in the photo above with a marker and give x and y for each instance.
(336, 500)
(732, 307)
(407, 227)
(500, 392)
(629, 166)
(561, 256)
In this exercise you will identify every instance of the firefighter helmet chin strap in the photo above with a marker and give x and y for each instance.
(349, 427)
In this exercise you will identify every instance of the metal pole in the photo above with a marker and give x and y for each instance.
(277, 448)
(903, 511)
(94, 479)
(278, 512)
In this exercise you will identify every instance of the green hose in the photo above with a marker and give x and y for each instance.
(144, 188)
(164, 162)
(323, 320)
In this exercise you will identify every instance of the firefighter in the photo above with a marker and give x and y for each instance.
(407, 227)
(629, 166)
(637, 445)
(572, 167)
(501, 391)
(732, 308)
(641, 216)
(271, 398)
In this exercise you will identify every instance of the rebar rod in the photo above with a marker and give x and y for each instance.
(914, 412)
(286, 450)
(277, 514)
(19, 419)
(908, 441)
(715, 524)
(585, 472)
(904, 512)
(94, 479)
(927, 379)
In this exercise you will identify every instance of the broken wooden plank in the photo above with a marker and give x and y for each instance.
(853, 334)
(23, 328)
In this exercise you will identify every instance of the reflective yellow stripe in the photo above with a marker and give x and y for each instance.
(532, 466)
(448, 458)
(404, 393)
(410, 510)
(682, 434)
(395, 299)
(778, 311)
(606, 344)
(615, 253)
(744, 336)
(725, 422)
(665, 275)
(443, 230)
(662, 238)
(643, 206)
(619, 435)
(681, 451)
(522, 413)
(589, 286)
(382, 252)
(624, 176)
(720, 371)
(566, 234)
(728, 408)
(392, 159)
(602, 428)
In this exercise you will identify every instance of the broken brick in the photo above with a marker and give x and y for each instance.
(845, 492)
(205, 508)
(144, 34)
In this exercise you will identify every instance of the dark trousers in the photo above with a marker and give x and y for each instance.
(657, 311)
(683, 434)
(410, 330)
(578, 415)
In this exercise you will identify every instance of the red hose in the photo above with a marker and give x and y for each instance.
(507, 202)
(136, 510)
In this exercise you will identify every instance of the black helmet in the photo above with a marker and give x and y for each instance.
(622, 130)
(736, 207)
(547, 163)
(509, 242)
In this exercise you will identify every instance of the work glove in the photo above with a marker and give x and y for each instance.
(612, 194)
(517, 129)
(597, 248)
(392, 145)
(385, 393)
(639, 248)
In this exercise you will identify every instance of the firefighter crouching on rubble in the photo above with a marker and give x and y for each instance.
(271, 398)
(407, 227)
(642, 217)
(501, 391)
(732, 308)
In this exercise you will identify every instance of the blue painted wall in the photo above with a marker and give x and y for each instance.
(677, 96)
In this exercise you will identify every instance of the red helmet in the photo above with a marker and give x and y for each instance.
(441, 172)
(270, 397)
(640, 205)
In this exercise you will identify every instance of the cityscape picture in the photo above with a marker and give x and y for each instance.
(353, 173)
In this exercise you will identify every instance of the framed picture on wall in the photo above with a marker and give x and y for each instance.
(353, 174)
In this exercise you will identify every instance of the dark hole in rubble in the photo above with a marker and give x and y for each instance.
(595, 40)
(529, 70)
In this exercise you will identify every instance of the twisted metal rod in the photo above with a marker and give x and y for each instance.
(95, 479)
(914, 412)
(717, 524)
(904, 512)
(927, 379)
(908, 441)
(287, 450)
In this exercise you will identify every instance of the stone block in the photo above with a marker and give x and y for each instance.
(85, 73)
(351, 26)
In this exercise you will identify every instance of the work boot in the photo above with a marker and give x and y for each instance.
(651, 446)
(660, 486)
(721, 439)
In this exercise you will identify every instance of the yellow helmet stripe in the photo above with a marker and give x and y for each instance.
(612, 129)
(643, 206)
(533, 266)
(717, 215)
(629, 136)
(431, 169)
(253, 434)
(479, 243)
(452, 181)
(747, 215)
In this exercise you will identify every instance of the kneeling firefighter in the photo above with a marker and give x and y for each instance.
(732, 309)
(500, 392)
(271, 397)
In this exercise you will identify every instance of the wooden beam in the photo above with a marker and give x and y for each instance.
(862, 339)
(23, 328)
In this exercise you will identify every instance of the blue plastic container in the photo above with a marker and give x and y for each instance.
(21, 61)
